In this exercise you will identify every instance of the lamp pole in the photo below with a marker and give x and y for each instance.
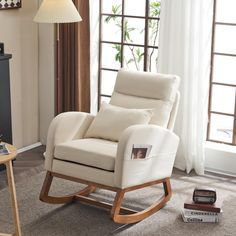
(58, 75)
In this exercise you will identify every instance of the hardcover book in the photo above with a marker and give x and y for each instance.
(201, 218)
(190, 212)
(216, 207)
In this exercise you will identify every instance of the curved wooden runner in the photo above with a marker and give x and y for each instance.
(118, 213)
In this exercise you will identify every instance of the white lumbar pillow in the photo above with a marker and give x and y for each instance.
(112, 120)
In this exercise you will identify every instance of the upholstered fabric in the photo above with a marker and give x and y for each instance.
(135, 89)
(71, 150)
(111, 121)
(157, 165)
(173, 113)
(83, 172)
(64, 127)
(97, 153)
(161, 109)
(73, 87)
(74, 159)
(147, 85)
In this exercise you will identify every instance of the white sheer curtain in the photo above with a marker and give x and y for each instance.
(94, 57)
(184, 49)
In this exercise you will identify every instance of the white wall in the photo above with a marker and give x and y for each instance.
(220, 158)
(20, 36)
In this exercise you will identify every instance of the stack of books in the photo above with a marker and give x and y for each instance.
(3, 149)
(195, 212)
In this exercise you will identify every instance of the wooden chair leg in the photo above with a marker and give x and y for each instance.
(44, 194)
(86, 191)
(46, 187)
(117, 203)
(133, 218)
(117, 213)
(167, 188)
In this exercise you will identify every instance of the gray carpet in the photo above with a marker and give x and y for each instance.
(75, 219)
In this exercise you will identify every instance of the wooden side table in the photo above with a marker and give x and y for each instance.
(7, 160)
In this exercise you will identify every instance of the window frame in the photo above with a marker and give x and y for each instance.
(212, 83)
(145, 46)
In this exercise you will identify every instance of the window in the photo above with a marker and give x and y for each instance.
(128, 38)
(222, 105)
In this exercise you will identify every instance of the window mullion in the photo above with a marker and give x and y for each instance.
(99, 55)
(211, 71)
(146, 37)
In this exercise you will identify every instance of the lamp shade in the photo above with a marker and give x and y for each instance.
(57, 11)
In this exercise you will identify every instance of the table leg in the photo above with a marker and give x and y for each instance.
(12, 191)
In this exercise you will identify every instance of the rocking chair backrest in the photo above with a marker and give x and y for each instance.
(148, 90)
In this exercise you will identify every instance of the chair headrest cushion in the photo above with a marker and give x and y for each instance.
(147, 84)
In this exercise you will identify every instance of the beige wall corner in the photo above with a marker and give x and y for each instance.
(31, 72)
(20, 36)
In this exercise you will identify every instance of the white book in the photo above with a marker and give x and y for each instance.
(201, 218)
(190, 212)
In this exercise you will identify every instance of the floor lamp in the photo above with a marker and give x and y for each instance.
(57, 11)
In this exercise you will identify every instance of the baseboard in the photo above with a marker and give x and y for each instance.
(29, 147)
(220, 172)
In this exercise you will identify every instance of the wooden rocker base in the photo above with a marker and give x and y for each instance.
(118, 214)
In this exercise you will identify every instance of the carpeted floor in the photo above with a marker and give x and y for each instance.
(75, 219)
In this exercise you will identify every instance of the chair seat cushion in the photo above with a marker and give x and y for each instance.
(90, 152)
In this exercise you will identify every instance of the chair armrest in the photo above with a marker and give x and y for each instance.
(157, 165)
(64, 127)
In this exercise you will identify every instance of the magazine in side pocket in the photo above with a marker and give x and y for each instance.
(140, 151)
